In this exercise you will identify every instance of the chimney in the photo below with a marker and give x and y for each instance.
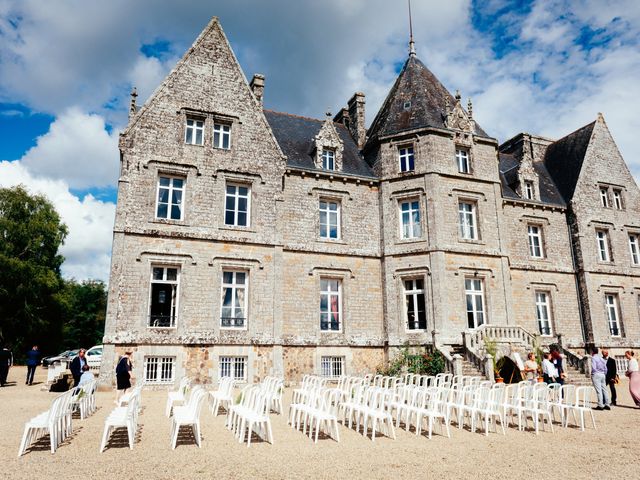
(342, 117)
(356, 119)
(257, 86)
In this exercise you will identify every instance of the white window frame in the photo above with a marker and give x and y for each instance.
(332, 366)
(604, 250)
(235, 287)
(406, 157)
(409, 226)
(544, 312)
(330, 293)
(478, 316)
(233, 364)
(634, 248)
(175, 297)
(332, 218)
(468, 220)
(412, 295)
(171, 189)
(613, 313)
(462, 159)
(328, 159)
(236, 197)
(528, 190)
(617, 199)
(194, 126)
(604, 197)
(536, 241)
(221, 132)
(159, 369)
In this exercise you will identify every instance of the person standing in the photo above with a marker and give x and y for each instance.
(123, 375)
(599, 379)
(633, 372)
(531, 368)
(549, 371)
(76, 366)
(6, 360)
(556, 359)
(33, 360)
(612, 375)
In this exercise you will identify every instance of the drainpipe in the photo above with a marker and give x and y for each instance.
(575, 277)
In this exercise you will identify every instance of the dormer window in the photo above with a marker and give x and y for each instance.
(406, 159)
(194, 131)
(222, 136)
(328, 159)
(528, 190)
(462, 159)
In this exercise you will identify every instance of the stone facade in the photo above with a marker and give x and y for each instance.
(266, 263)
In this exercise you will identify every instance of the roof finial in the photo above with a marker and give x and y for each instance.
(328, 112)
(412, 45)
(458, 96)
(470, 108)
(133, 107)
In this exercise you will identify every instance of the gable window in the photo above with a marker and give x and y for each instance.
(233, 309)
(329, 219)
(233, 367)
(169, 202)
(528, 190)
(415, 309)
(475, 302)
(330, 304)
(237, 204)
(617, 199)
(159, 369)
(604, 196)
(543, 313)
(328, 159)
(222, 135)
(604, 253)
(332, 367)
(194, 132)
(536, 249)
(634, 247)
(406, 159)
(164, 296)
(462, 159)
(410, 218)
(613, 314)
(467, 220)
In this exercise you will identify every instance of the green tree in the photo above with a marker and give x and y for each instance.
(31, 234)
(85, 306)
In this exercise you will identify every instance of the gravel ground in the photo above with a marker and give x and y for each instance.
(611, 451)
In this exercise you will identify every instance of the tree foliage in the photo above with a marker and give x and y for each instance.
(85, 306)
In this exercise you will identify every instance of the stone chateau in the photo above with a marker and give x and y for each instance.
(249, 242)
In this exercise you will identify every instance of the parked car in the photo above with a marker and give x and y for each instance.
(94, 356)
(66, 355)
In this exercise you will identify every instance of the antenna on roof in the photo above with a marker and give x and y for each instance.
(412, 46)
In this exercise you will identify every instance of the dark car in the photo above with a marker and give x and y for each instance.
(68, 354)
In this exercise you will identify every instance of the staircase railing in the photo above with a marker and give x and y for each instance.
(582, 364)
(450, 364)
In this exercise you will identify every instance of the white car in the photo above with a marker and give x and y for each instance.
(94, 356)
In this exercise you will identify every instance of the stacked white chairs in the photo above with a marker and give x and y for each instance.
(188, 415)
(177, 397)
(318, 410)
(223, 397)
(251, 415)
(123, 417)
(582, 405)
(55, 370)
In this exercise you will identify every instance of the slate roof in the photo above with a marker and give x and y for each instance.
(509, 164)
(296, 134)
(564, 158)
(418, 85)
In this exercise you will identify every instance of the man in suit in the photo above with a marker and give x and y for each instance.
(76, 366)
(612, 373)
(6, 360)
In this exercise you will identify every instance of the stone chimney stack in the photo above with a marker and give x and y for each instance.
(356, 119)
(257, 86)
(342, 117)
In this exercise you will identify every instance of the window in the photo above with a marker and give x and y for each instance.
(332, 367)
(634, 247)
(611, 301)
(603, 245)
(159, 369)
(543, 313)
(329, 219)
(462, 158)
(330, 304)
(415, 304)
(237, 204)
(604, 196)
(410, 218)
(170, 192)
(617, 199)
(221, 135)
(233, 367)
(475, 302)
(467, 219)
(328, 160)
(233, 310)
(194, 132)
(535, 241)
(164, 296)
(528, 190)
(406, 159)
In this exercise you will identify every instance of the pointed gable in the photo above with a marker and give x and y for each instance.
(328, 139)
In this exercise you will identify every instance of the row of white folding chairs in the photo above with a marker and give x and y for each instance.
(251, 415)
(273, 388)
(414, 404)
(223, 397)
(188, 415)
(318, 409)
(178, 396)
(85, 400)
(368, 406)
(123, 417)
(56, 422)
(309, 382)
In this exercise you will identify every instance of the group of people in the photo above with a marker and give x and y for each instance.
(604, 372)
(552, 369)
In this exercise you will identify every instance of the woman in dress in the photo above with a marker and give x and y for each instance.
(123, 375)
(634, 377)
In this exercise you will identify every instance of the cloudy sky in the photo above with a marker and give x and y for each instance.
(66, 68)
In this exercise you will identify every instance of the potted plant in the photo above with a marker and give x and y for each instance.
(491, 347)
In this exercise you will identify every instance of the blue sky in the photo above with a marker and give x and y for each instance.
(67, 67)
